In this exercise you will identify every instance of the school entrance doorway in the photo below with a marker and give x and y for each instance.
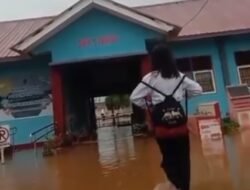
(83, 81)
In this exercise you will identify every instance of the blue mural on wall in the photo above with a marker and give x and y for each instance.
(97, 34)
(26, 100)
(25, 93)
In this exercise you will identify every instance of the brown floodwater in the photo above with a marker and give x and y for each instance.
(121, 162)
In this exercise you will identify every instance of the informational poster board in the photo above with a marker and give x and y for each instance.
(211, 137)
(210, 109)
(210, 129)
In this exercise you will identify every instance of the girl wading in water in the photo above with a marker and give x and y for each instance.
(167, 87)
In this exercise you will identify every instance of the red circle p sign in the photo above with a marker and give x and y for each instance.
(4, 135)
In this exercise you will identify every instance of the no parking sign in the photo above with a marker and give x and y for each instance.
(4, 136)
(4, 140)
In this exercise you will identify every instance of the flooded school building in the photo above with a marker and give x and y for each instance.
(54, 67)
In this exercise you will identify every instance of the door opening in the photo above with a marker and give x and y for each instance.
(82, 82)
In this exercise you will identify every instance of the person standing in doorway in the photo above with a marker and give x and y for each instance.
(166, 86)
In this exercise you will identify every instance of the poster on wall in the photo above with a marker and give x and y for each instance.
(211, 137)
(210, 129)
(25, 93)
(211, 109)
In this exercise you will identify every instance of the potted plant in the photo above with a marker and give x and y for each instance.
(229, 126)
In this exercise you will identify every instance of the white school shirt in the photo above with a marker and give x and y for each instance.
(166, 86)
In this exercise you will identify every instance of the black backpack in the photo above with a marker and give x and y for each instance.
(170, 112)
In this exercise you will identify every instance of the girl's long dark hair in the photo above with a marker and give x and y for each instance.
(163, 61)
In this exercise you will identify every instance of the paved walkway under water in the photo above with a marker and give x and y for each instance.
(120, 162)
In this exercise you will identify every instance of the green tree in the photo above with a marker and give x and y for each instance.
(115, 102)
(124, 101)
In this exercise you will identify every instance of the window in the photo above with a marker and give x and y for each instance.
(243, 64)
(185, 67)
(244, 74)
(205, 79)
(200, 69)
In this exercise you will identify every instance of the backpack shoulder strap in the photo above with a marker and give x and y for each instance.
(179, 84)
(153, 88)
(186, 102)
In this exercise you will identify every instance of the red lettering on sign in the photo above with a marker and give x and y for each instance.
(204, 126)
(85, 42)
(108, 39)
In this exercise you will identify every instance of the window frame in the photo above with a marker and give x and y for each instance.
(239, 75)
(213, 80)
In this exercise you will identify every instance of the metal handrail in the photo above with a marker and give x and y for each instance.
(39, 138)
(35, 139)
(41, 129)
(13, 132)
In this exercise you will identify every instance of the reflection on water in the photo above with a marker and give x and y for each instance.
(115, 147)
(120, 162)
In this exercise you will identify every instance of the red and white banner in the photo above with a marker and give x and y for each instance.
(211, 137)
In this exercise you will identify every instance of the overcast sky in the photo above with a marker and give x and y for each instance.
(20, 9)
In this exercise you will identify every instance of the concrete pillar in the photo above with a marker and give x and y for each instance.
(58, 100)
